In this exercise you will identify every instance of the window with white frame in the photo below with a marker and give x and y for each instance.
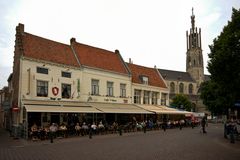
(66, 90)
(95, 87)
(145, 80)
(122, 90)
(110, 89)
(146, 96)
(137, 96)
(164, 99)
(42, 88)
(154, 98)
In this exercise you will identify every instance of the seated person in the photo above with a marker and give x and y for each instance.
(77, 129)
(85, 128)
(34, 131)
(94, 128)
(101, 127)
(63, 130)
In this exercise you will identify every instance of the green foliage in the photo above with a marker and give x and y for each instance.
(181, 101)
(224, 66)
(211, 96)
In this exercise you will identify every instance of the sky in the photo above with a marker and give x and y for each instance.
(150, 32)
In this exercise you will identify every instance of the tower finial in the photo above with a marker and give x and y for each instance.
(193, 20)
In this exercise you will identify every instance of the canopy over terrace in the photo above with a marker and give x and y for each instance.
(163, 110)
(119, 108)
(58, 107)
(82, 107)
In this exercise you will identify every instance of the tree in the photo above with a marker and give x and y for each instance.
(211, 96)
(224, 63)
(181, 101)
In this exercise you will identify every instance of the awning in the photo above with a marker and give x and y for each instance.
(119, 108)
(58, 106)
(61, 109)
(162, 109)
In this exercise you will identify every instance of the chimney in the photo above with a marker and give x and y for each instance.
(20, 28)
(130, 61)
(117, 51)
(72, 40)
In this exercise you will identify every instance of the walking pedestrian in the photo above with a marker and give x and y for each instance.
(53, 130)
(144, 126)
(164, 125)
(203, 124)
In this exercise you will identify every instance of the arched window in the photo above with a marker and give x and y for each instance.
(189, 61)
(181, 86)
(172, 87)
(190, 89)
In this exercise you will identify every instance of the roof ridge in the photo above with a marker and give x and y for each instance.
(140, 65)
(172, 70)
(46, 39)
(94, 47)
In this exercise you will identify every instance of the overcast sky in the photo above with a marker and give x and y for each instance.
(150, 32)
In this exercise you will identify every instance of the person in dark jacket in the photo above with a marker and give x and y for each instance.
(203, 124)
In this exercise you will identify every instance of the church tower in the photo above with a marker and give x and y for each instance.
(194, 59)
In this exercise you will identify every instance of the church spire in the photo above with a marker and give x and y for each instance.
(193, 20)
(194, 37)
(194, 58)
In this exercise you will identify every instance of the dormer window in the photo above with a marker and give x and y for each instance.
(145, 80)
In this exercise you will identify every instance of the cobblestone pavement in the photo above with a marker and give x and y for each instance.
(174, 144)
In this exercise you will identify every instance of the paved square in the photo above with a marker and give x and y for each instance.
(174, 144)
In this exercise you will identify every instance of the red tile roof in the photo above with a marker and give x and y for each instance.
(99, 58)
(48, 50)
(154, 79)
